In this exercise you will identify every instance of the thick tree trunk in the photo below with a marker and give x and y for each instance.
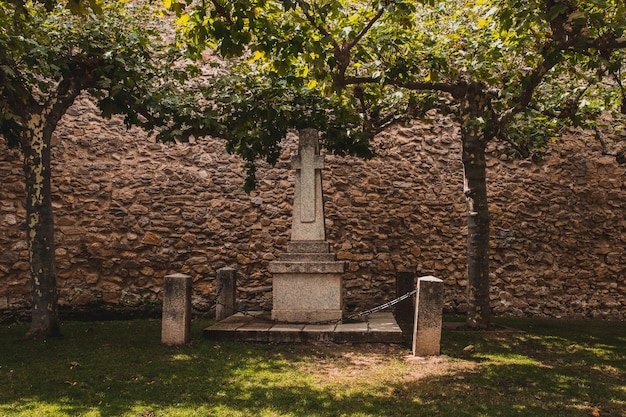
(475, 188)
(40, 229)
(40, 123)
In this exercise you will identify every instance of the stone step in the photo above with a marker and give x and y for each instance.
(257, 327)
(307, 257)
(308, 246)
(307, 267)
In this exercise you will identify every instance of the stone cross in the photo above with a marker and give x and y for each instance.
(308, 215)
(307, 162)
(307, 284)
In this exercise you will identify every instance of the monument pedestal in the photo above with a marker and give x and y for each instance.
(307, 280)
(307, 286)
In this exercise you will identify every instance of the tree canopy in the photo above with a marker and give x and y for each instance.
(533, 57)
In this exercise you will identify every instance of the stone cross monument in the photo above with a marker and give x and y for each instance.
(308, 204)
(307, 284)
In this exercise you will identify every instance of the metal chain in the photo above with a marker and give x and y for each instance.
(384, 306)
(367, 312)
(351, 317)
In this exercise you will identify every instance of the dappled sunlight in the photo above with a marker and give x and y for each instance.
(497, 387)
(181, 357)
(36, 406)
(513, 359)
(124, 370)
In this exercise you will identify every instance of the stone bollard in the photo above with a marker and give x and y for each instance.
(226, 288)
(428, 317)
(176, 321)
(405, 310)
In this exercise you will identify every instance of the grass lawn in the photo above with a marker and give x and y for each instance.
(553, 368)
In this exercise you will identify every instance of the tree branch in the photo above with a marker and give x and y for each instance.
(534, 79)
(456, 89)
(221, 11)
(564, 37)
(389, 120)
(503, 135)
(82, 77)
(366, 29)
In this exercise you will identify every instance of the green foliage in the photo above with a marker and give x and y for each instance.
(587, 81)
(112, 50)
(514, 49)
(51, 53)
(254, 111)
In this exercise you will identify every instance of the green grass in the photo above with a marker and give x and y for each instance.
(554, 368)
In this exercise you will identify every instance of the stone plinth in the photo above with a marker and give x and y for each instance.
(307, 287)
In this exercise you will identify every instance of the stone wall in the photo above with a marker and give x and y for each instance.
(130, 211)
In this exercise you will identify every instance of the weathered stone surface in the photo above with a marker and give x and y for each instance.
(308, 246)
(307, 297)
(377, 328)
(558, 226)
(151, 238)
(308, 203)
(428, 317)
(176, 320)
(303, 266)
(226, 293)
(307, 281)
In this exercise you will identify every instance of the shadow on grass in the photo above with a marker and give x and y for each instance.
(553, 368)
(116, 369)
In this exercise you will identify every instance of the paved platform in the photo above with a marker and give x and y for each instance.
(258, 327)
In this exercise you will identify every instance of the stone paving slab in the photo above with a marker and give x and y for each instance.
(288, 328)
(291, 333)
(320, 328)
(238, 319)
(257, 327)
(360, 327)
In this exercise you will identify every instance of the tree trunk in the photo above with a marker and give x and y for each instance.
(473, 131)
(40, 229)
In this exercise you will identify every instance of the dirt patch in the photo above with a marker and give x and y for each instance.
(373, 364)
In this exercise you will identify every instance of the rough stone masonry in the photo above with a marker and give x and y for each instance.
(129, 211)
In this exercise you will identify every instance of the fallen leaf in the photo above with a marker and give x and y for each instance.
(468, 348)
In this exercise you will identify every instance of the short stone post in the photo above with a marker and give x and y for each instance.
(428, 317)
(405, 310)
(226, 287)
(176, 321)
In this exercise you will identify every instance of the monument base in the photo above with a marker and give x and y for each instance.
(307, 292)
(307, 316)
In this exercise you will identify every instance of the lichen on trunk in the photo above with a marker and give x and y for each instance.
(40, 229)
